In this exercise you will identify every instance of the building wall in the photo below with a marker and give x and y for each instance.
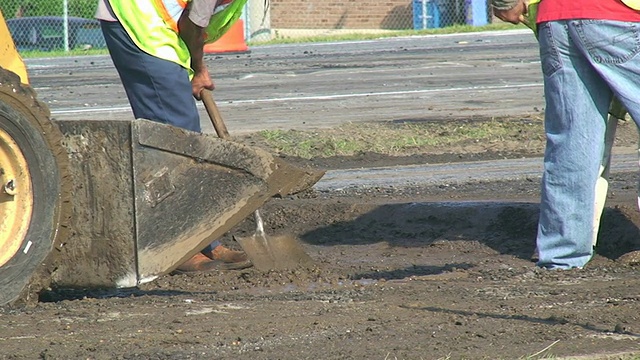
(349, 14)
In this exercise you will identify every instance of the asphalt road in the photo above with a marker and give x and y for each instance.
(315, 85)
(451, 173)
(304, 86)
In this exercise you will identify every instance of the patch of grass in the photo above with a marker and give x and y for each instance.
(279, 39)
(401, 139)
(60, 53)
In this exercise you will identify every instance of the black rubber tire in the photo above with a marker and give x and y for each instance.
(28, 124)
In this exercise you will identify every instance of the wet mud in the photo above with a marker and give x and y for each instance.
(421, 272)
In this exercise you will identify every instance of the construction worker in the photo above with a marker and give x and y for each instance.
(157, 49)
(585, 64)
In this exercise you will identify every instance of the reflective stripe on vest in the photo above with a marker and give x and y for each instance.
(170, 10)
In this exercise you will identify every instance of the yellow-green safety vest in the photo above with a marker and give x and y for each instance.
(532, 15)
(153, 26)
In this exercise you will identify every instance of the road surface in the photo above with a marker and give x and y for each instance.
(314, 85)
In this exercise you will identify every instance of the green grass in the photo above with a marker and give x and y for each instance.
(386, 34)
(60, 53)
(401, 139)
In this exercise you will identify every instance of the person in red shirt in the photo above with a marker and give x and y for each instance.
(590, 53)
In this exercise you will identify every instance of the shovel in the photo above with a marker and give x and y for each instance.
(266, 252)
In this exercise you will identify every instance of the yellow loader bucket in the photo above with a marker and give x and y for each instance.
(148, 196)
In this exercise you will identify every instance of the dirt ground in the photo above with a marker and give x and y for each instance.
(426, 272)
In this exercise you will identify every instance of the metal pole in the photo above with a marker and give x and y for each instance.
(66, 24)
(246, 17)
(259, 20)
(424, 14)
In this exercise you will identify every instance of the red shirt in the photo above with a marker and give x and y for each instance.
(551, 10)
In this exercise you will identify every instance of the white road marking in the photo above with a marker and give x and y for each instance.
(120, 108)
(387, 93)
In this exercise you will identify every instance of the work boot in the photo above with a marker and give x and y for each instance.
(535, 256)
(227, 255)
(201, 263)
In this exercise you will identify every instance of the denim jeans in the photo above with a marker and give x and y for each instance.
(584, 63)
(157, 89)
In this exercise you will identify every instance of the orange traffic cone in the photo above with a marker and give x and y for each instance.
(231, 42)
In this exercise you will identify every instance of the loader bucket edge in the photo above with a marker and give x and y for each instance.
(290, 179)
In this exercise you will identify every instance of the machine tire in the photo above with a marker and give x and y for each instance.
(25, 121)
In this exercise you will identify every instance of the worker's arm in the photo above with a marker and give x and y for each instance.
(511, 11)
(192, 31)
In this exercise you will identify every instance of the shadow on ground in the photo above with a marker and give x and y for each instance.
(509, 228)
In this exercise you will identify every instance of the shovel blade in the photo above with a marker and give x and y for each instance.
(268, 252)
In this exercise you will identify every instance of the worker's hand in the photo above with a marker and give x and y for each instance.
(515, 15)
(200, 81)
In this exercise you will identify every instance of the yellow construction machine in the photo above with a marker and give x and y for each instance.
(86, 204)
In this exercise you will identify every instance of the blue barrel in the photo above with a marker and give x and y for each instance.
(426, 14)
(477, 13)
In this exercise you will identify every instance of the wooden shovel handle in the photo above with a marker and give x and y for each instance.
(214, 114)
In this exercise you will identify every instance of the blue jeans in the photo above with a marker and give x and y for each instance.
(157, 89)
(585, 63)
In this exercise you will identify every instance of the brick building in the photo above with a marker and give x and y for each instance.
(349, 14)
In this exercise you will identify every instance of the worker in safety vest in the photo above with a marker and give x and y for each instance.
(157, 48)
(591, 69)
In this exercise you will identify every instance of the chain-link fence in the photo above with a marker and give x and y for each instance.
(69, 24)
(46, 25)
(293, 18)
